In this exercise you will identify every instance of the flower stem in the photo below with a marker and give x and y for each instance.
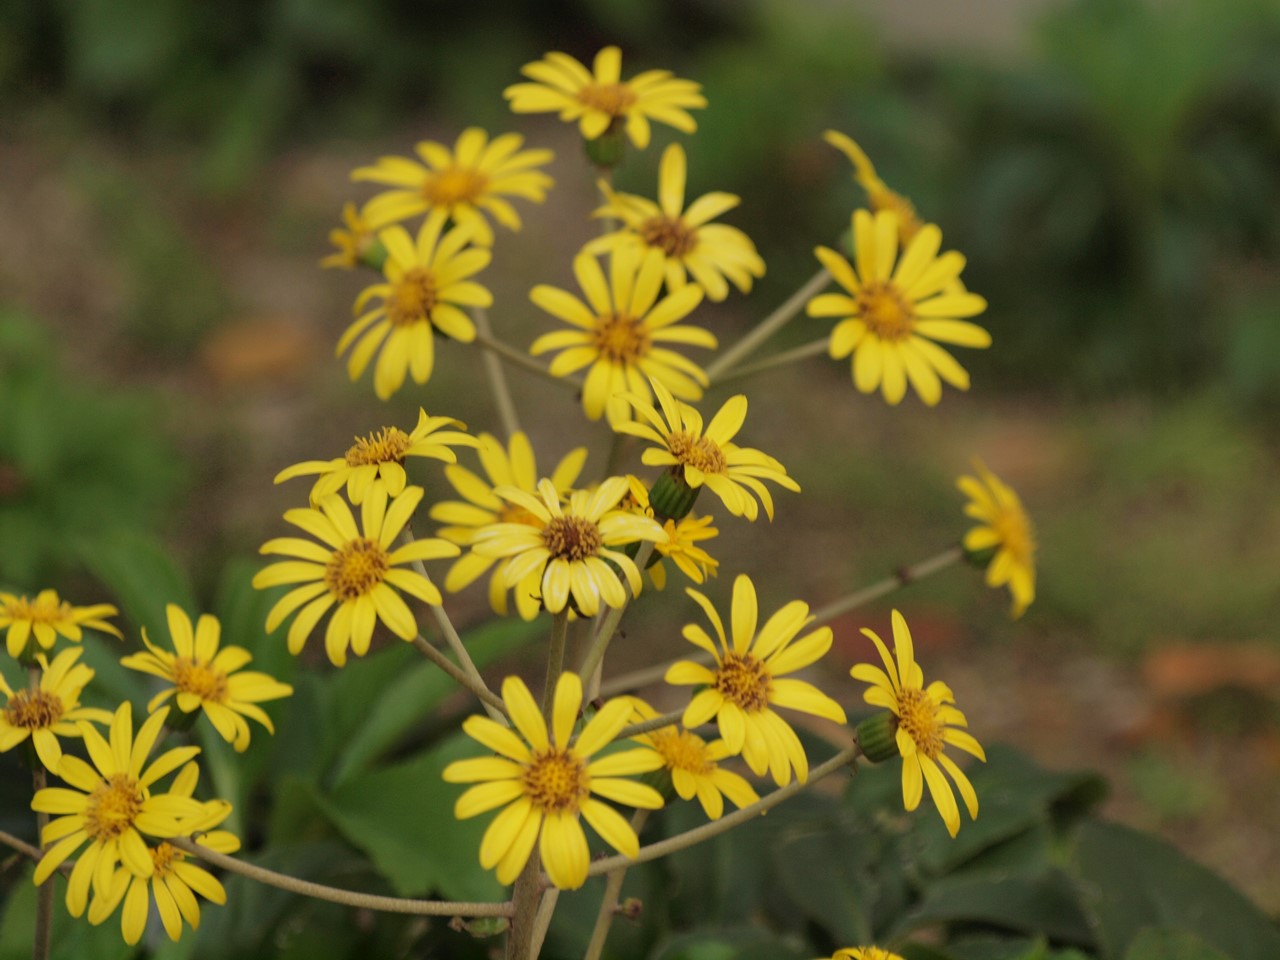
(769, 325)
(609, 905)
(497, 377)
(541, 923)
(689, 838)
(350, 898)
(492, 702)
(648, 726)
(523, 360)
(812, 349)
(609, 625)
(555, 660)
(44, 895)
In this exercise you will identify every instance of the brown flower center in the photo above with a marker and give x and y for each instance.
(918, 715)
(556, 781)
(887, 313)
(745, 680)
(33, 710)
(611, 98)
(682, 750)
(164, 856)
(200, 679)
(621, 338)
(413, 298)
(113, 807)
(387, 445)
(668, 234)
(454, 185)
(356, 569)
(572, 538)
(702, 453)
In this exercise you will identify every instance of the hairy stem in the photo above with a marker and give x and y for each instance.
(492, 702)
(648, 726)
(523, 360)
(497, 377)
(804, 352)
(609, 625)
(769, 325)
(609, 905)
(542, 922)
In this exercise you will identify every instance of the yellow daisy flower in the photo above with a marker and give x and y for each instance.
(1005, 528)
(482, 507)
(622, 332)
(353, 242)
(50, 711)
(879, 196)
(750, 679)
(426, 285)
(864, 953)
(681, 545)
(207, 678)
(39, 622)
(599, 99)
(697, 456)
(713, 253)
(462, 184)
(560, 553)
(544, 782)
(894, 315)
(379, 458)
(358, 571)
(111, 805)
(694, 764)
(173, 882)
(926, 722)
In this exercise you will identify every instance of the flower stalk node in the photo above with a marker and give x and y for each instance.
(877, 737)
(671, 497)
(607, 150)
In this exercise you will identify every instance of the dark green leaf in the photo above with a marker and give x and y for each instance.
(1171, 945)
(142, 574)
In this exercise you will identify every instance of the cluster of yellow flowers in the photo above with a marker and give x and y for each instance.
(548, 542)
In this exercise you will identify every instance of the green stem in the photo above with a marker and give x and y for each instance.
(542, 922)
(497, 377)
(523, 360)
(492, 702)
(555, 660)
(609, 905)
(609, 625)
(648, 726)
(769, 325)
(813, 349)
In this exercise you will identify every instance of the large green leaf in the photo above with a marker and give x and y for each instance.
(72, 939)
(1130, 881)
(402, 817)
(1171, 945)
(141, 573)
(826, 868)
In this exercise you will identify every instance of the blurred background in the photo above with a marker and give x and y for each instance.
(1111, 169)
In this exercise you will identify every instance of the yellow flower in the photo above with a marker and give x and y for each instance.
(750, 679)
(483, 507)
(360, 572)
(1003, 526)
(426, 284)
(39, 622)
(207, 678)
(864, 953)
(694, 764)
(689, 242)
(599, 99)
(353, 242)
(699, 457)
(560, 553)
(173, 882)
(927, 721)
(112, 806)
(461, 185)
(622, 331)
(893, 315)
(50, 711)
(379, 458)
(545, 783)
(681, 545)
(879, 196)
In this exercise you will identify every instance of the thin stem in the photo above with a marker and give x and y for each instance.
(523, 360)
(555, 660)
(525, 901)
(769, 325)
(617, 453)
(350, 898)
(43, 941)
(608, 626)
(492, 702)
(796, 354)
(647, 726)
(35, 853)
(730, 820)
(542, 922)
(497, 377)
(609, 905)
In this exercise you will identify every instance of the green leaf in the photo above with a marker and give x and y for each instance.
(735, 944)
(402, 817)
(1171, 945)
(141, 573)
(73, 939)
(1130, 881)
(826, 868)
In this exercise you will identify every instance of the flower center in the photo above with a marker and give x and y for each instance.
(413, 298)
(198, 678)
(701, 453)
(682, 750)
(572, 538)
(164, 857)
(356, 569)
(611, 98)
(918, 715)
(454, 185)
(387, 445)
(744, 680)
(670, 235)
(113, 807)
(33, 710)
(621, 339)
(39, 611)
(556, 780)
(886, 312)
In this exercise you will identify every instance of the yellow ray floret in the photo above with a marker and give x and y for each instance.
(51, 710)
(1003, 527)
(33, 624)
